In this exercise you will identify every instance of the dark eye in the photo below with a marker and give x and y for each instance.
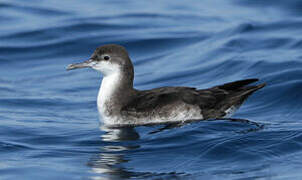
(106, 58)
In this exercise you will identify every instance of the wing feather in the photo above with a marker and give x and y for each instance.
(212, 102)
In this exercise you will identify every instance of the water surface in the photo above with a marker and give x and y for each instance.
(49, 120)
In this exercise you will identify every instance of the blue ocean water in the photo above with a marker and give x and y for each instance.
(49, 121)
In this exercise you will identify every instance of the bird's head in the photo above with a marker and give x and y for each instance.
(106, 59)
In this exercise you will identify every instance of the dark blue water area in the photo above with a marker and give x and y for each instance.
(49, 120)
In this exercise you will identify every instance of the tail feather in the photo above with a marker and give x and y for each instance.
(229, 97)
(237, 84)
(246, 92)
(251, 89)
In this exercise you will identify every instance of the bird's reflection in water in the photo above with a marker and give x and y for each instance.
(119, 134)
(108, 164)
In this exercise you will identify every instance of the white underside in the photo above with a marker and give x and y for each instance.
(116, 121)
(177, 115)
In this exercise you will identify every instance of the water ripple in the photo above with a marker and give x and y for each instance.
(49, 119)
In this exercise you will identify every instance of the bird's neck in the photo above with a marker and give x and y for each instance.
(115, 91)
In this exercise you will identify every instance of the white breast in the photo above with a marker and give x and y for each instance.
(107, 88)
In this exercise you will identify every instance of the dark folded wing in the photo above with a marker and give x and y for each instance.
(212, 101)
(155, 98)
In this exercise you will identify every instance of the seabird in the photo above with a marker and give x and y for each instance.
(119, 103)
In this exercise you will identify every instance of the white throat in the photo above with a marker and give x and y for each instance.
(107, 89)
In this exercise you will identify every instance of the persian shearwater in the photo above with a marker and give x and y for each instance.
(119, 103)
